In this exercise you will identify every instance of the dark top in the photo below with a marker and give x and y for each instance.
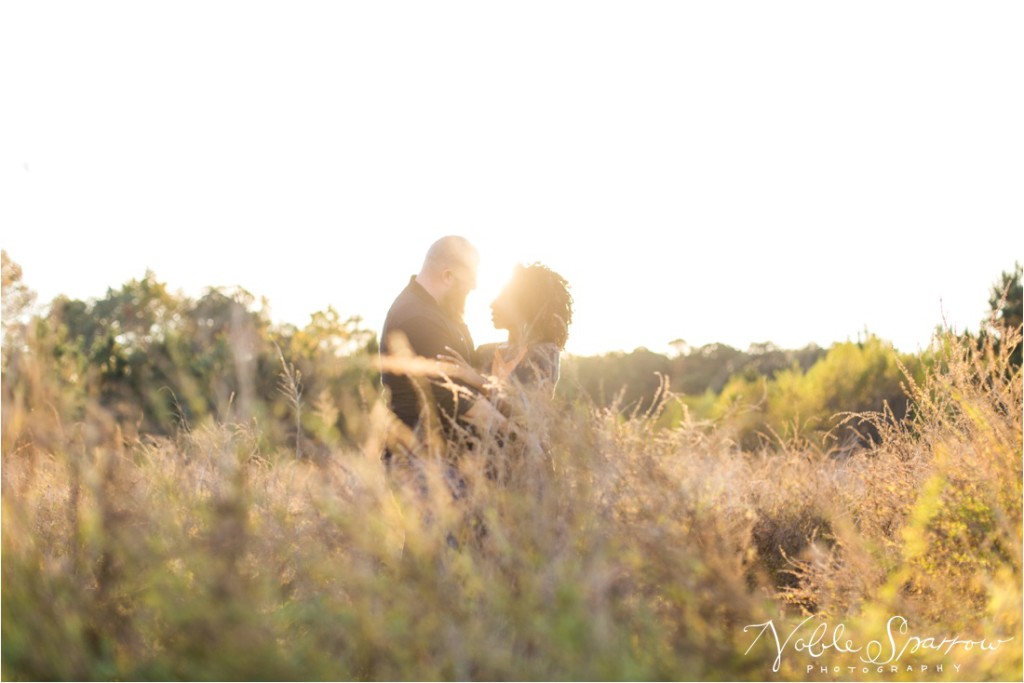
(539, 366)
(429, 329)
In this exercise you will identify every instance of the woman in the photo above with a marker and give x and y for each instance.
(536, 309)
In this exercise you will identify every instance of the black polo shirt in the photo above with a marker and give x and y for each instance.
(429, 329)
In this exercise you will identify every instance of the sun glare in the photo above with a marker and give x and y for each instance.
(496, 268)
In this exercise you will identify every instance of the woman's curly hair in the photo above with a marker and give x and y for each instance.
(543, 299)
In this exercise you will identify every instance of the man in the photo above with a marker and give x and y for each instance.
(428, 315)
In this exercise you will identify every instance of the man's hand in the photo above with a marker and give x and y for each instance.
(456, 367)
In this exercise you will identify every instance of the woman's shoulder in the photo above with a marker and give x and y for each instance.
(539, 364)
(544, 351)
(485, 355)
(539, 361)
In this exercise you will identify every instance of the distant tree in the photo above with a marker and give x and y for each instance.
(851, 377)
(769, 360)
(156, 359)
(708, 367)
(762, 348)
(630, 379)
(17, 298)
(680, 346)
(1006, 302)
(1007, 298)
(332, 354)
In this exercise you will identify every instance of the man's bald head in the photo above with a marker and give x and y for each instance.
(451, 252)
(449, 271)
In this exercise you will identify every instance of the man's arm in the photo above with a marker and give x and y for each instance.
(430, 338)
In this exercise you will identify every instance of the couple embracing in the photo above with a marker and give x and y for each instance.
(446, 383)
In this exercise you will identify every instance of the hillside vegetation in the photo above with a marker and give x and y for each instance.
(190, 492)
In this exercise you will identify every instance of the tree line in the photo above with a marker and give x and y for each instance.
(158, 361)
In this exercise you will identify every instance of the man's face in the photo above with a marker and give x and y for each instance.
(461, 280)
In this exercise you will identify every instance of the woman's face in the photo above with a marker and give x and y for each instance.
(503, 311)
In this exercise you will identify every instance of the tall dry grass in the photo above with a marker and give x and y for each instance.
(592, 547)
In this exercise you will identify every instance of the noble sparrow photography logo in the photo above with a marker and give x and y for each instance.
(815, 639)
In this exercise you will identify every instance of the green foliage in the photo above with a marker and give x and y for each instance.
(835, 403)
(159, 362)
(863, 377)
(1007, 299)
(711, 366)
(631, 381)
(766, 396)
(17, 300)
(613, 550)
(835, 399)
(1007, 304)
(154, 533)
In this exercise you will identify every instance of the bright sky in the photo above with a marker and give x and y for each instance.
(715, 171)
